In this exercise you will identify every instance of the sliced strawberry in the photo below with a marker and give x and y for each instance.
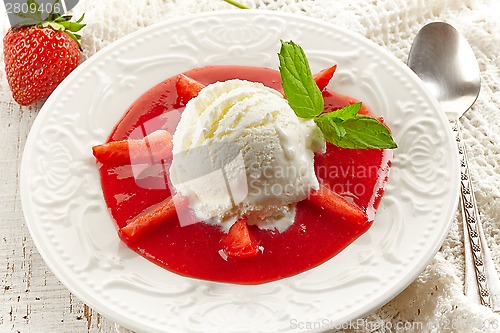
(338, 205)
(238, 242)
(187, 88)
(154, 147)
(164, 213)
(323, 78)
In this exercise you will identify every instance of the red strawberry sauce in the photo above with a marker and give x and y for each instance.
(193, 250)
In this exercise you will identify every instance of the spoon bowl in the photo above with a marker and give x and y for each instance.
(445, 62)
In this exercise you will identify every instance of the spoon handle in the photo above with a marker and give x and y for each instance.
(473, 232)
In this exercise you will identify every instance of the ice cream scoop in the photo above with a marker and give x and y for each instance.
(239, 149)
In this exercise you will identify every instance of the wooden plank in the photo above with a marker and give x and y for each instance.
(31, 297)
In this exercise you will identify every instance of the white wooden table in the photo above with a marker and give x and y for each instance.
(32, 298)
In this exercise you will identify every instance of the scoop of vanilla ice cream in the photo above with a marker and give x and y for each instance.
(240, 150)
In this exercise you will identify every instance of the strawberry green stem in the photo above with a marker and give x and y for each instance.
(237, 4)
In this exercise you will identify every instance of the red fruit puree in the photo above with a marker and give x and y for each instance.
(193, 250)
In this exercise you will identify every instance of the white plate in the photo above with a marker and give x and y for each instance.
(70, 225)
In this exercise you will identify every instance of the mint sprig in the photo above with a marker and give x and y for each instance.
(345, 127)
(304, 98)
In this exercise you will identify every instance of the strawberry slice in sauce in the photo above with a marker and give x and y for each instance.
(323, 78)
(153, 147)
(166, 212)
(238, 242)
(338, 205)
(187, 88)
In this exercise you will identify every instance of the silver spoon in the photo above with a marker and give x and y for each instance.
(445, 62)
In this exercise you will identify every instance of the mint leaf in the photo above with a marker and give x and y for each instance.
(330, 128)
(360, 132)
(345, 128)
(301, 91)
(347, 112)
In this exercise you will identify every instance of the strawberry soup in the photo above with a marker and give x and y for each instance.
(196, 250)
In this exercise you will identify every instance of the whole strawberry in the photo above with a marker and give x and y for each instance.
(39, 57)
